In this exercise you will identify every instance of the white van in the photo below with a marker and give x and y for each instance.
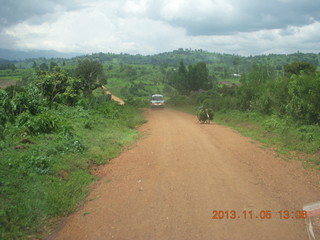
(157, 101)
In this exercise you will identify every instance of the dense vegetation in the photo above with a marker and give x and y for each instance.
(294, 95)
(53, 127)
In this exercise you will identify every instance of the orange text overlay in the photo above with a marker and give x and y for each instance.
(258, 214)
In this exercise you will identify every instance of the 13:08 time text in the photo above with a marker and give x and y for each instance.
(260, 214)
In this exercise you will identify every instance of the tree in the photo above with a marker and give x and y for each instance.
(260, 73)
(304, 98)
(193, 79)
(91, 74)
(198, 77)
(13, 67)
(182, 69)
(236, 63)
(298, 67)
(43, 67)
(5, 111)
(58, 84)
(53, 65)
(180, 79)
(52, 84)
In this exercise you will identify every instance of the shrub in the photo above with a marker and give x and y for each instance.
(272, 123)
(41, 123)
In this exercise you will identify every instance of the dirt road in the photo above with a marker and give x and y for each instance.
(113, 97)
(168, 185)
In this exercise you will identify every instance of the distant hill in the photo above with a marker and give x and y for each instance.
(194, 56)
(14, 55)
(226, 64)
(4, 61)
(167, 58)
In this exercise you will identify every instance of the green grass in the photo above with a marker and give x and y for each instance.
(115, 85)
(14, 75)
(10, 78)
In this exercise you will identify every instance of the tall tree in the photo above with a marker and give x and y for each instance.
(91, 74)
(198, 77)
(298, 67)
(43, 67)
(182, 68)
(53, 65)
(181, 81)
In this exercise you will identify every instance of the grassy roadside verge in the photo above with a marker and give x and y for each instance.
(46, 176)
(288, 138)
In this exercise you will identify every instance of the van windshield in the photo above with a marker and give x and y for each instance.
(157, 98)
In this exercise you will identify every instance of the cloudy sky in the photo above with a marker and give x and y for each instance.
(244, 27)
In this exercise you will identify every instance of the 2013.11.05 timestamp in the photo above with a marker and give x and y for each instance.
(260, 214)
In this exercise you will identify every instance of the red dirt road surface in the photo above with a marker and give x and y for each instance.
(170, 182)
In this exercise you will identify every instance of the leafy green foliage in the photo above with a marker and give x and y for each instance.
(193, 79)
(27, 100)
(50, 134)
(58, 86)
(7, 65)
(299, 67)
(295, 96)
(5, 111)
(198, 77)
(91, 74)
(303, 104)
(43, 67)
(37, 124)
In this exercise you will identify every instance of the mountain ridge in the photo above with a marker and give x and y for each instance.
(18, 55)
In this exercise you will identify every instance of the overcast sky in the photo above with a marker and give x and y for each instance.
(244, 27)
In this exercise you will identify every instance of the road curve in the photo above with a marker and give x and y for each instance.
(170, 182)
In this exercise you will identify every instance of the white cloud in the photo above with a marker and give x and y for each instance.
(92, 30)
(151, 26)
(188, 9)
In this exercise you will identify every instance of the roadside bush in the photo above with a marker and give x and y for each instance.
(5, 111)
(41, 123)
(136, 102)
(275, 123)
(28, 100)
(304, 99)
(309, 133)
(111, 110)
